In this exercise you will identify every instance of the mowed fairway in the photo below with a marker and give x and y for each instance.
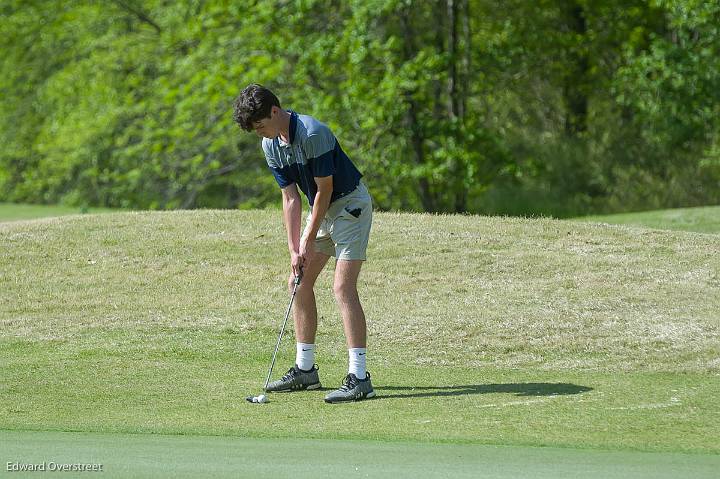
(704, 219)
(17, 212)
(586, 339)
(145, 455)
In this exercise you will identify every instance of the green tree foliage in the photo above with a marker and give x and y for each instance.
(672, 91)
(548, 107)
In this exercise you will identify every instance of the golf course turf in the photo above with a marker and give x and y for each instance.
(524, 347)
(145, 455)
(703, 219)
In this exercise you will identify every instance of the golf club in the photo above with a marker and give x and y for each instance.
(262, 398)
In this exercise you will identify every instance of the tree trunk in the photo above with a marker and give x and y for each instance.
(457, 89)
(467, 51)
(575, 80)
(438, 85)
(416, 135)
(452, 48)
(417, 139)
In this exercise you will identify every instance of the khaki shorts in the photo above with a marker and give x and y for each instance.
(345, 230)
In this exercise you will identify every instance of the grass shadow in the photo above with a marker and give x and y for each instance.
(518, 389)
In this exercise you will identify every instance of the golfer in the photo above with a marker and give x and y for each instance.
(303, 153)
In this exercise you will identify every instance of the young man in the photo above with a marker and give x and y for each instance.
(302, 152)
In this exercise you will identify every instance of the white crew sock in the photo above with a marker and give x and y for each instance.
(305, 356)
(357, 362)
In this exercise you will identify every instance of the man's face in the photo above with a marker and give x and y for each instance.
(267, 127)
(263, 128)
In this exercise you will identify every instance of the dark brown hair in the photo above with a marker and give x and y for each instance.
(253, 104)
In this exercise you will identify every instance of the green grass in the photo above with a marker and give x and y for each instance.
(145, 455)
(702, 220)
(18, 212)
(496, 331)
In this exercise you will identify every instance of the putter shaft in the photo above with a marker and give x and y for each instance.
(282, 330)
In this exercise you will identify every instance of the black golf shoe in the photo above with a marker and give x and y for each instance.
(352, 389)
(296, 380)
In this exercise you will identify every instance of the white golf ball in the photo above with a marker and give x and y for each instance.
(262, 398)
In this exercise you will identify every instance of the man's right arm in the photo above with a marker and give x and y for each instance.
(292, 216)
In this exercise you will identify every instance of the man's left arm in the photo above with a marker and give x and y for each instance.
(320, 207)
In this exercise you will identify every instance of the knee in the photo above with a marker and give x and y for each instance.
(344, 291)
(304, 287)
(291, 283)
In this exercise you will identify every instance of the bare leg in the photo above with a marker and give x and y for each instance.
(305, 309)
(346, 294)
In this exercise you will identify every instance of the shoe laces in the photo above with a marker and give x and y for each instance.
(290, 374)
(349, 383)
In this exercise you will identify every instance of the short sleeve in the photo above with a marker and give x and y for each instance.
(282, 180)
(268, 151)
(320, 148)
(276, 168)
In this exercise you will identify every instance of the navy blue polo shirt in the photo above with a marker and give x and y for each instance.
(313, 151)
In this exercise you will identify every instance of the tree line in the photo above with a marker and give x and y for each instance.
(554, 107)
